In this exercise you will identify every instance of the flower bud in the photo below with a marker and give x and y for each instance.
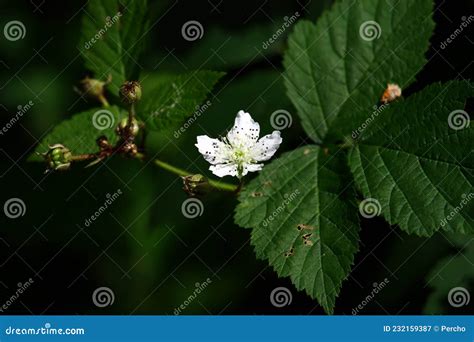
(131, 92)
(92, 87)
(124, 129)
(103, 143)
(195, 184)
(130, 148)
(58, 158)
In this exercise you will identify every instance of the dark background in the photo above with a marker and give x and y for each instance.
(142, 247)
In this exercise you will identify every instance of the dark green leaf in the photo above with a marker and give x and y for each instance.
(334, 76)
(79, 133)
(112, 38)
(416, 165)
(311, 188)
(169, 99)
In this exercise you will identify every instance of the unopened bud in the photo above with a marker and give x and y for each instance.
(130, 148)
(131, 92)
(58, 158)
(123, 128)
(195, 184)
(103, 143)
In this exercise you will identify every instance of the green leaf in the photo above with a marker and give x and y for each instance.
(307, 187)
(417, 166)
(451, 275)
(79, 133)
(169, 99)
(112, 38)
(334, 76)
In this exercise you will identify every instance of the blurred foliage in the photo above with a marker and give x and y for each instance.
(455, 270)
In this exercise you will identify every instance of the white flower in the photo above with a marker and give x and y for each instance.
(240, 152)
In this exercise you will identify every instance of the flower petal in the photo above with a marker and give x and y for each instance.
(266, 147)
(213, 150)
(222, 170)
(245, 131)
(246, 168)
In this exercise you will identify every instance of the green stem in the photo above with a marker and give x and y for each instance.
(104, 101)
(131, 114)
(180, 172)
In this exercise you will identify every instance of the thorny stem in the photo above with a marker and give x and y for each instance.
(83, 157)
(183, 173)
